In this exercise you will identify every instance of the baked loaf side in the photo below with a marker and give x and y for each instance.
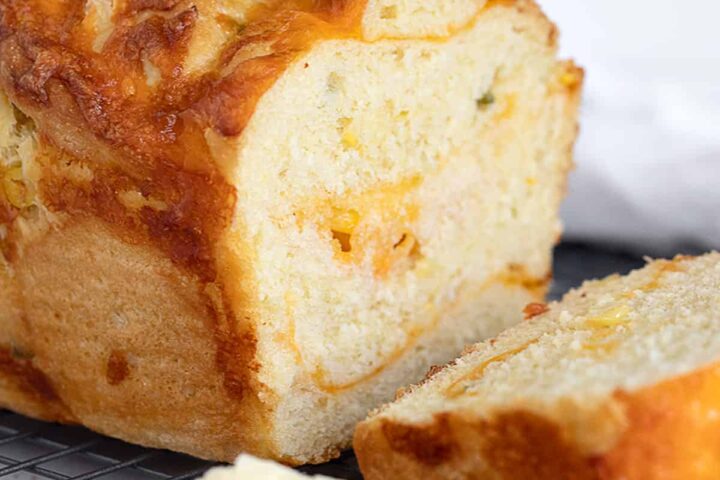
(620, 380)
(238, 226)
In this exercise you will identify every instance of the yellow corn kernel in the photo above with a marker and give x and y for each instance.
(610, 318)
(344, 220)
(349, 140)
(601, 340)
(347, 136)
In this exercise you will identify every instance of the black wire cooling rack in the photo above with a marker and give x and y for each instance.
(34, 450)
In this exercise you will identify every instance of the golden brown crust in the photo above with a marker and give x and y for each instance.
(674, 430)
(671, 433)
(21, 376)
(140, 320)
(510, 446)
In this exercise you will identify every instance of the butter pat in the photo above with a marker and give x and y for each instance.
(248, 467)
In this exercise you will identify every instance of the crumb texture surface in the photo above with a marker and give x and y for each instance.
(621, 375)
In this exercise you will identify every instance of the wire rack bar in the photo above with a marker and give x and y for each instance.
(47, 458)
(16, 437)
(119, 466)
(190, 475)
(43, 473)
(74, 449)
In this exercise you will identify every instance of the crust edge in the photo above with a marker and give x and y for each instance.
(671, 432)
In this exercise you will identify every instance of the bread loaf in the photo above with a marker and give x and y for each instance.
(619, 381)
(236, 226)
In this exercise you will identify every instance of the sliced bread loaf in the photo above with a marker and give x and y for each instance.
(620, 380)
(234, 226)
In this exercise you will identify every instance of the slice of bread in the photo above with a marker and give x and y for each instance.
(236, 226)
(620, 380)
(247, 467)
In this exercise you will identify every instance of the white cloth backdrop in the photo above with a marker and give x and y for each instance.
(648, 158)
